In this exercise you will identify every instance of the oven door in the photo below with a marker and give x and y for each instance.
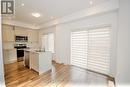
(20, 55)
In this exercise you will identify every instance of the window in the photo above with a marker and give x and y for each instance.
(48, 42)
(90, 49)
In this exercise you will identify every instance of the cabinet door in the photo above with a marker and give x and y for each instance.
(8, 33)
(4, 36)
(34, 61)
(9, 56)
(19, 31)
(5, 56)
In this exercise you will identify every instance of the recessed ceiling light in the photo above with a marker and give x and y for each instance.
(91, 2)
(22, 4)
(52, 17)
(36, 15)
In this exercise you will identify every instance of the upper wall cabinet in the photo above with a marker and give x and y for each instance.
(32, 35)
(19, 31)
(8, 33)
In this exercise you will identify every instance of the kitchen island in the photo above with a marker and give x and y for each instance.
(38, 60)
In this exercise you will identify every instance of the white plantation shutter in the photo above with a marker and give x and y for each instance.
(90, 49)
(99, 50)
(79, 48)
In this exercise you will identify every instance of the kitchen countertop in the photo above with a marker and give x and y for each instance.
(34, 50)
(10, 49)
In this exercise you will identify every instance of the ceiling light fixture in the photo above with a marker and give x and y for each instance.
(36, 15)
(91, 2)
(22, 4)
(52, 17)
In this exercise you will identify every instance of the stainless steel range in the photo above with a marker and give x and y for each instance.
(20, 51)
(20, 46)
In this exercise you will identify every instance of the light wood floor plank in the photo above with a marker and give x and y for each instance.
(17, 75)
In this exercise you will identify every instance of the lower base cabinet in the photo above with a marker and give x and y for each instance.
(41, 61)
(9, 56)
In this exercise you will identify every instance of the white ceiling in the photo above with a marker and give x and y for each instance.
(48, 8)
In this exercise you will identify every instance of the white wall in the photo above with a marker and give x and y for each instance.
(63, 32)
(123, 52)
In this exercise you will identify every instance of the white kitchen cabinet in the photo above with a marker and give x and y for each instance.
(34, 61)
(41, 61)
(8, 33)
(20, 31)
(9, 56)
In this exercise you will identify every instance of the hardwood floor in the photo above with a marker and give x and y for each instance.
(16, 75)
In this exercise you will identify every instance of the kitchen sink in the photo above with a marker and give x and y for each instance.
(39, 50)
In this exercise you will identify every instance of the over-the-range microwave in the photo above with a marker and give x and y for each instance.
(21, 38)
